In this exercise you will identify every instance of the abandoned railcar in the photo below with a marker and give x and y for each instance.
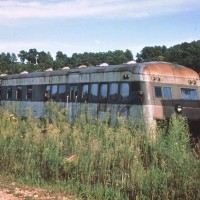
(156, 89)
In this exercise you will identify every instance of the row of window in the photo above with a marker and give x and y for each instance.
(18, 92)
(104, 92)
(95, 92)
(166, 93)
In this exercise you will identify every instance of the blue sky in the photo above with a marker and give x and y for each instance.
(78, 26)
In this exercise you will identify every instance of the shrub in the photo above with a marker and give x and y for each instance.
(98, 161)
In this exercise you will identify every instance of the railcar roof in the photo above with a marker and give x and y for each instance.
(149, 68)
(169, 69)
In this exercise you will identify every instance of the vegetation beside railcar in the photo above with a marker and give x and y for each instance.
(94, 160)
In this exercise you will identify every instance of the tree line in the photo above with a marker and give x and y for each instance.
(33, 60)
(187, 54)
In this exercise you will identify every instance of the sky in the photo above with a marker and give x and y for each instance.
(78, 26)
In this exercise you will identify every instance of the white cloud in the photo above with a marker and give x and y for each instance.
(17, 9)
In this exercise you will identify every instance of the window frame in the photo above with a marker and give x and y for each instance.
(163, 93)
(62, 97)
(29, 92)
(9, 91)
(73, 94)
(113, 99)
(185, 88)
(47, 94)
(127, 98)
(103, 99)
(1, 93)
(94, 98)
(18, 93)
(54, 94)
(84, 94)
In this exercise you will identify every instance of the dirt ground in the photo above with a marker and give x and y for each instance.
(11, 191)
(5, 196)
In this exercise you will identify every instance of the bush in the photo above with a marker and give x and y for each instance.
(99, 161)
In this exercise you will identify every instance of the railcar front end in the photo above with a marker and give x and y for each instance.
(173, 89)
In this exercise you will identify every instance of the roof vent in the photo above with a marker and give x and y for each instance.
(24, 72)
(103, 64)
(49, 70)
(82, 66)
(64, 68)
(131, 62)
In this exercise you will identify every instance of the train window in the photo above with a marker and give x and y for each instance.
(61, 93)
(94, 92)
(187, 93)
(3, 93)
(54, 90)
(163, 92)
(158, 92)
(124, 92)
(9, 93)
(104, 92)
(73, 93)
(136, 94)
(113, 92)
(47, 95)
(29, 91)
(0, 93)
(167, 93)
(19, 93)
(84, 92)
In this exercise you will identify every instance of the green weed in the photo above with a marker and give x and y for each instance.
(95, 160)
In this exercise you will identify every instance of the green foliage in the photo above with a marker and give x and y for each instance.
(93, 59)
(156, 53)
(97, 161)
(33, 60)
(186, 54)
(61, 60)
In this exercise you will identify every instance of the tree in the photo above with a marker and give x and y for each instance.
(32, 56)
(6, 57)
(92, 59)
(187, 54)
(129, 55)
(44, 60)
(61, 60)
(23, 56)
(156, 53)
(13, 57)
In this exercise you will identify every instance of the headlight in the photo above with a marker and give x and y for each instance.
(178, 108)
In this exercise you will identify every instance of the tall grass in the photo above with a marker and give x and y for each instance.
(97, 161)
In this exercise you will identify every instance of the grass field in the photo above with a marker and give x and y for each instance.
(93, 160)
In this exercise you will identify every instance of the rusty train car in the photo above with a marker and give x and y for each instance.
(156, 89)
